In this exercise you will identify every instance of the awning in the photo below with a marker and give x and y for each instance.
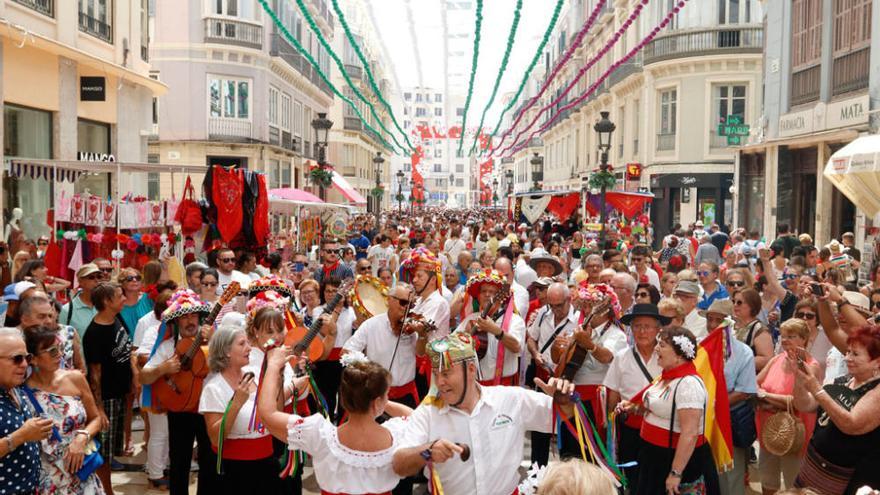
(855, 171)
(345, 188)
(294, 194)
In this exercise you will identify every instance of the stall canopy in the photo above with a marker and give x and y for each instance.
(349, 192)
(293, 194)
(855, 171)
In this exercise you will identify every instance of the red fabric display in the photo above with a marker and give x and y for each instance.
(261, 212)
(628, 203)
(563, 206)
(227, 191)
(189, 214)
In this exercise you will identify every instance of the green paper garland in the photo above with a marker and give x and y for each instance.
(535, 59)
(357, 50)
(510, 39)
(478, 23)
(308, 56)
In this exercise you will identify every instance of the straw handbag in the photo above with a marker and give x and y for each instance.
(783, 433)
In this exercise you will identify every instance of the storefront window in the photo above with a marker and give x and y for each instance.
(93, 137)
(751, 192)
(27, 133)
(796, 189)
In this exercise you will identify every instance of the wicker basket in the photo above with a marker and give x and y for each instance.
(783, 433)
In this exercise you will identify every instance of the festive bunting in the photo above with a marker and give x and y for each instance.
(534, 206)
(629, 204)
(564, 205)
(478, 23)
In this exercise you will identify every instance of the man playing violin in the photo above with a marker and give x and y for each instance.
(181, 320)
(503, 328)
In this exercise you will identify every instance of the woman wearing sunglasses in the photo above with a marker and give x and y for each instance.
(64, 397)
(137, 304)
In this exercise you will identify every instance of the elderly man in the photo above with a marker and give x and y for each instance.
(520, 294)
(633, 369)
(624, 285)
(490, 420)
(79, 312)
(593, 266)
(688, 294)
(38, 310)
(464, 261)
(13, 295)
(20, 429)
(545, 265)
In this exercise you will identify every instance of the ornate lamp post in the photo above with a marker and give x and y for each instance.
(377, 191)
(509, 176)
(537, 162)
(412, 195)
(495, 193)
(451, 182)
(322, 175)
(603, 179)
(400, 177)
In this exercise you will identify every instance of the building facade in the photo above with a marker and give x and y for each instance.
(710, 52)
(241, 94)
(75, 86)
(821, 81)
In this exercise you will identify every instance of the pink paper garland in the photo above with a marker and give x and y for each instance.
(559, 65)
(612, 41)
(604, 76)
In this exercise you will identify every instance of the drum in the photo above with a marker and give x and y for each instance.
(368, 296)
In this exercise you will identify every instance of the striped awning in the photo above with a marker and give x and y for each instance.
(41, 170)
(350, 193)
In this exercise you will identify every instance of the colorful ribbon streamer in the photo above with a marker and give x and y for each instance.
(478, 23)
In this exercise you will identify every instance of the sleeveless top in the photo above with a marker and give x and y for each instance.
(838, 447)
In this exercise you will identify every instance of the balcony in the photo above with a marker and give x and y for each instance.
(536, 142)
(850, 71)
(805, 85)
(352, 124)
(746, 38)
(354, 71)
(95, 27)
(665, 142)
(632, 66)
(232, 32)
(279, 47)
(230, 129)
(45, 7)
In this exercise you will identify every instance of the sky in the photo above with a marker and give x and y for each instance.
(413, 34)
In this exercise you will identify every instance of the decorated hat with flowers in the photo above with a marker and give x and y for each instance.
(184, 302)
(421, 258)
(266, 299)
(454, 348)
(595, 293)
(269, 282)
(491, 277)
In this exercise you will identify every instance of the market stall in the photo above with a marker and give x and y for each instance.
(311, 217)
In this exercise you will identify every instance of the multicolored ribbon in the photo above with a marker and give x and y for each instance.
(589, 441)
(435, 488)
(221, 435)
(499, 359)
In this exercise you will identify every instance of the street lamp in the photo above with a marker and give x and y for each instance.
(494, 194)
(451, 182)
(321, 175)
(508, 174)
(377, 191)
(400, 177)
(412, 195)
(537, 162)
(603, 128)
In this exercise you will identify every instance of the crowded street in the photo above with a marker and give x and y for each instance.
(446, 247)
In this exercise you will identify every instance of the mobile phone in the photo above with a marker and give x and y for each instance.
(817, 289)
(298, 266)
(247, 376)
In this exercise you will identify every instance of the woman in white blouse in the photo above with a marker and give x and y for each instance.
(328, 371)
(228, 392)
(674, 456)
(355, 457)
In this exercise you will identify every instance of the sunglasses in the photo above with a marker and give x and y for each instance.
(94, 276)
(363, 268)
(209, 284)
(876, 304)
(43, 243)
(805, 316)
(133, 278)
(738, 302)
(642, 294)
(18, 359)
(331, 251)
(399, 300)
(735, 283)
(704, 273)
(52, 351)
(790, 276)
(226, 260)
(106, 270)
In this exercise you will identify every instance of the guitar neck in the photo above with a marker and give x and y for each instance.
(316, 325)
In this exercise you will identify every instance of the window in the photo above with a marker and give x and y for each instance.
(806, 50)
(297, 118)
(235, 8)
(273, 106)
(153, 185)
(406, 110)
(438, 167)
(438, 97)
(421, 112)
(733, 11)
(418, 97)
(96, 18)
(729, 100)
(459, 168)
(459, 112)
(229, 98)
(667, 111)
(438, 152)
(459, 182)
(285, 112)
(623, 130)
(428, 97)
(407, 96)
(438, 111)
(851, 45)
(145, 30)
(459, 153)
(635, 124)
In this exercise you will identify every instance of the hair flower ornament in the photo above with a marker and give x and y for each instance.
(352, 357)
(685, 345)
(533, 479)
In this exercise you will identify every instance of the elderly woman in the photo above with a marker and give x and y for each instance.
(64, 397)
(137, 302)
(674, 455)
(776, 393)
(310, 299)
(842, 454)
(20, 429)
(673, 310)
(228, 395)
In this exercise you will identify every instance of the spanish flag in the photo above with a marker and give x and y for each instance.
(710, 366)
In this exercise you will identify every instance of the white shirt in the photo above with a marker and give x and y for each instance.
(545, 326)
(148, 340)
(380, 257)
(146, 321)
(163, 353)
(517, 329)
(690, 394)
(216, 393)
(343, 324)
(520, 298)
(524, 274)
(454, 247)
(225, 280)
(494, 431)
(339, 469)
(696, 324)
(592, 372)
(653, 278)
(435, 308)
(448, 294)
(625, 376)
(375, 339)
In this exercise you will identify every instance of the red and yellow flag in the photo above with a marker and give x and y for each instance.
(710, 366)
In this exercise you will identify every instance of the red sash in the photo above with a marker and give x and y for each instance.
(507, 381)
(325, 492)
(246, 449)
(659, 436)
(335, 354)
(404, 390)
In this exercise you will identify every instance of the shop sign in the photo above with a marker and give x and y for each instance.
(795, 123)
(85, 156)
(633, 171)
(734, 130)
(849, 112)
(92, 88)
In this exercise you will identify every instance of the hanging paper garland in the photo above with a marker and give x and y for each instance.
(478, 23)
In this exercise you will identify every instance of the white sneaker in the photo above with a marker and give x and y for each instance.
(137, 424)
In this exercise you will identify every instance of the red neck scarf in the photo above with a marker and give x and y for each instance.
(682, 370)
(329, 269)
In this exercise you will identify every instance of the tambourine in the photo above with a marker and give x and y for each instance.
(369, 296)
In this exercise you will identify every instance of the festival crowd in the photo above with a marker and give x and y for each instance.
(425, 349)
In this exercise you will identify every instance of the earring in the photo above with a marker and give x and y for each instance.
(876, 372)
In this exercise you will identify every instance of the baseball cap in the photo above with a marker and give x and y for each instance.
(688, 287)
(13, 292)
(543, 282)
(87, 269)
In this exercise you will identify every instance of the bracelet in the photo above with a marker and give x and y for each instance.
(9, 446)
(674, 473)
(820, 392)
(84, 432)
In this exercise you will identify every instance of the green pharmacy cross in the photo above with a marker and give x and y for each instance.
(734, 130)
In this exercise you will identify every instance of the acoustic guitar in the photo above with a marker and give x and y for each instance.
(574, 354)
(181, 391)
(301, 339)
(483, 337)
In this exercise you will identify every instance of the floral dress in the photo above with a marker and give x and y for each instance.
(69, 414)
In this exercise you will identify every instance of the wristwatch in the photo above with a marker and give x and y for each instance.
(426, 454)
(674, 473)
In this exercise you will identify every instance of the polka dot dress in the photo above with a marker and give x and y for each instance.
(20, 470)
